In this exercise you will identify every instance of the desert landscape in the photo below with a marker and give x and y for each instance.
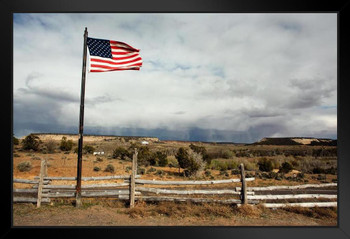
(270, 162)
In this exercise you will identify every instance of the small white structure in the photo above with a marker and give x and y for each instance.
(99, 153)
(144, 142)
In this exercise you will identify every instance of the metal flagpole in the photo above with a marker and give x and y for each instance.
(81, 125)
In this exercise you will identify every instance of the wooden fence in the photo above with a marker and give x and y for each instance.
(132, 188)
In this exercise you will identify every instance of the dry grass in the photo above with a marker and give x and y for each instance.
(181, 210)
(315, 212)
(116, 213)
(203, 211)
(250, 211)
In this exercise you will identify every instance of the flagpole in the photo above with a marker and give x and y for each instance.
(81, 124)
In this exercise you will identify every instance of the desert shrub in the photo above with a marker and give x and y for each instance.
(98, 159)
(24, 166)
(263, 153)
(321, 177)
(141, 171)
(272, 175)
(222, 166)
(227, 154)
(295, 164)
(109, 168)
(159, 159)
(128, 168)
(182, 158)
(322, 152)
(15, 140)
(196, 163)
(36, 157)
(285, 167)
(318, 170)
(243, 153)
(66, 145)
(331, 170)
(191, 161)
(317, 166)
(159, 172)
(96, 169)
(172, 162)
(307, 165)
(88, 149)
(225, 173)
(232, 165)
(235, 171)
(50, 146)
(151, 170)
(144, 156)
(186, 173)
(275, 163)
(31, 142)
(163, 160)
(212, 155)
(121, 153)
(207, 173)
(214, 164)
(250, 166)
(265, 165)
(201, 150)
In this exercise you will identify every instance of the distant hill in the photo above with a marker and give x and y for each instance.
(297, 141)
(91, 138)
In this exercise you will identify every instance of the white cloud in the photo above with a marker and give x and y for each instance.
(212, 71)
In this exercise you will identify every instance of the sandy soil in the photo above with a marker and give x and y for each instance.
(99, 215)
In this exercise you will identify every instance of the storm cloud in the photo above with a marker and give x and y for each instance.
(208, 77)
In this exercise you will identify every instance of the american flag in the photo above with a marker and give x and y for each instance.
(109, 55)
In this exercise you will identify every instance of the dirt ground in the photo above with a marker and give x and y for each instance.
(65, 165)
(141, 215)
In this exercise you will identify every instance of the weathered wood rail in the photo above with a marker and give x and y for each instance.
(133, 188)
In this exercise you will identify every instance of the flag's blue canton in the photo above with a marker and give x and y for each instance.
(98, 47)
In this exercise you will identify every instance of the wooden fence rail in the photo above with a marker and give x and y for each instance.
(303, 204)
(155, 182)
(87, 178)
(187, 192)
(289, 187)
(135, 189)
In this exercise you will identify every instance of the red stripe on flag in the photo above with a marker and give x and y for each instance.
(114, 62)
(125, 57)
(124, 45)
(122, 52)
(116, 67)
(133, 68)
(124, 48)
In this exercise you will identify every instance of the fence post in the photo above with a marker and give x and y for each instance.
(41, 180)
(45, 168)
(244, 185)
(132, 178)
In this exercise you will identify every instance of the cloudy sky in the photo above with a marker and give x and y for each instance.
(206, 77)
